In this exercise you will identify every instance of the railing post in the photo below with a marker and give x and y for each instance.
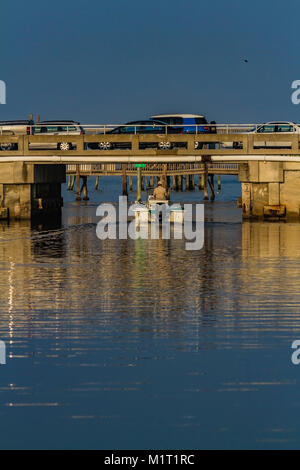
(135, 143)
(21, 144)
(295, 143)
(80, 144)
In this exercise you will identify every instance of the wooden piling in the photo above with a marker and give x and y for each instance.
(187, 183)
(97, 183)
(201, 181)
(130, 183)
(164, 175)
(175, 183)
(124, 179)
(205, 187)
(179, 182)
(78, 192)
(85, 188)
(212, 187)
(219, 182)
(192, 182)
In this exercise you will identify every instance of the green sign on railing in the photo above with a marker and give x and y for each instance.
(140, 165)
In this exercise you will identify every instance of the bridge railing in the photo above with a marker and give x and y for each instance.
(150, 168)
(75, 129)
(185, 144)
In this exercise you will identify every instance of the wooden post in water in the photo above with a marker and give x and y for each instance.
(84, 188)
(219, 182)
(130, 183)
(212, 187)
(151, 181)
(175, 183)
(179, 182)
(72, 182)
(97, 183)
(187, 182)
(192, 182)
(205, 187)
(69, 182)
(124, 179)
(164, 175)
(201, 181)
(78, 192)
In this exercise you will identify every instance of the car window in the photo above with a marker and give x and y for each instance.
(39, 130)
(67, 129)
(171, 121)
(151, 128)
(285, 128)
(201, 121)
(127, 130)
(268, 128)
(189, 121)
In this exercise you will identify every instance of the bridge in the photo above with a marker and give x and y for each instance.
(268, 165)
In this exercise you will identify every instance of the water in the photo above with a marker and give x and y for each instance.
(142, 344)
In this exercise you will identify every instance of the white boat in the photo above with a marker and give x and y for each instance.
(155, 210)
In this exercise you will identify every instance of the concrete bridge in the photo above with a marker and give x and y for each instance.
(268, 166)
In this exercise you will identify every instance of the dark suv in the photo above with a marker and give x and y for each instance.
(139, 127)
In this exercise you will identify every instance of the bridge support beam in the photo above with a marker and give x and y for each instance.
(270, 189)
(30, 190)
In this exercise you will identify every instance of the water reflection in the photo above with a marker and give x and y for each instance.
(144, 335)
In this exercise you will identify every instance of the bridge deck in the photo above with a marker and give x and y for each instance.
(220, 146)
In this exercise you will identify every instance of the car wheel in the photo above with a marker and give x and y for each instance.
(164, 145)
(6, 147)
(105, 145)
(64, 146)
(237, 145)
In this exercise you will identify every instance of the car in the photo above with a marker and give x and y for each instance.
(191, 123)
(14, 128)
(139, 127)
(21, 127)
(64, 128)
(277, 127)
(272, 127)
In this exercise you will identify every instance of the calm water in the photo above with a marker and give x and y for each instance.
(142, 344)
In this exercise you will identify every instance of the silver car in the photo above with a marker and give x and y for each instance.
(63, 128)
(14, 128)
(280, 128)
(275, 127)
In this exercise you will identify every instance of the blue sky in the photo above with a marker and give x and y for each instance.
(114, 61)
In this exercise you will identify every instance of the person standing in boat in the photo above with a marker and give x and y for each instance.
(160, 192)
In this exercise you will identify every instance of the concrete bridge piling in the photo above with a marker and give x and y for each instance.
(270, 189)
(30, 190)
